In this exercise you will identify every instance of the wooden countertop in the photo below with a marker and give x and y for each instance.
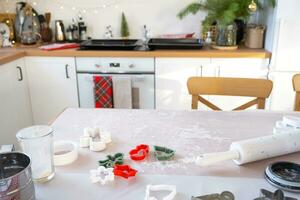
(10, 54)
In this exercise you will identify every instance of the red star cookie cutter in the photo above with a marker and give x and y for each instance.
(124, 171)
(139, 153)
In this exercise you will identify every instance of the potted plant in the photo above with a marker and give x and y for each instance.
(223, 13)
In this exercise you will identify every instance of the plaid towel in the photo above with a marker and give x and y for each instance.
(103, 92)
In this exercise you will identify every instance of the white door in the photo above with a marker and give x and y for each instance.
(238, 68)
(171, 81)
(53, 86)
(14, 101)
(283, 95)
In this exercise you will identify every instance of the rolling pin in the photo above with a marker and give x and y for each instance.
(255, 149)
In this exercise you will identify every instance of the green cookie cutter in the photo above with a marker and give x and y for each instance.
(163, 153)
(112, 160)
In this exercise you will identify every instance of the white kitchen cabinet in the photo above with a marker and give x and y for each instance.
(238, 68)
(14, 101)
(241, 67)
(171, 75)
(53, 86)
(283, 96)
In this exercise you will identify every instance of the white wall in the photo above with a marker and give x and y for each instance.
(158, 15)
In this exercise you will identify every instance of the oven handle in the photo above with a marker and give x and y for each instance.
(134, 78)
(115, 73)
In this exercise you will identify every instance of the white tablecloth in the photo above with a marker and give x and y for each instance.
(190, 133)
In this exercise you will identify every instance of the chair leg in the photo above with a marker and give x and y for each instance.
(194, 102)
(297, 102)
(261, 103)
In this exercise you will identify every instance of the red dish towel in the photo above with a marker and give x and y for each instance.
(103, 92)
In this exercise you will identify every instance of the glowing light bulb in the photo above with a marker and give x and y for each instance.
(61, 7)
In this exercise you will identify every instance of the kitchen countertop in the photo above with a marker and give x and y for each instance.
(10, 54)
(189, 133)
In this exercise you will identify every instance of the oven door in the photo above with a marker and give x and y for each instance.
(143, 96)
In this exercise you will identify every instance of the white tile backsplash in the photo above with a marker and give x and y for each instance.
(158, 15)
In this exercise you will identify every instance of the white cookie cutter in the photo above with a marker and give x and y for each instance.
(96, 144)
(155, 188)
(102, 175)
(93, 138)
(65, 152)
(291, 121)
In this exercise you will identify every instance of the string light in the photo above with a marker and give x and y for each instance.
(93, 7)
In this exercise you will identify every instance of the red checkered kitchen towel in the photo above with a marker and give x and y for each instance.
(103, 92)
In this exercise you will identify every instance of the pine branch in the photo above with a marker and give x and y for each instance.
(193, 8)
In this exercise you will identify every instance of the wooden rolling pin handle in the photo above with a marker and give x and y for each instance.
(213, 158)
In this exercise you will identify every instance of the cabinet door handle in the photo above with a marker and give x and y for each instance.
(219, 71)
(67, 71)
(201, 70)
(21, 73)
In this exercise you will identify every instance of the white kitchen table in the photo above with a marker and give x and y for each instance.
(190, 133)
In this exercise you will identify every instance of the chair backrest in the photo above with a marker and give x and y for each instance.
(296, 86)
(245, 87)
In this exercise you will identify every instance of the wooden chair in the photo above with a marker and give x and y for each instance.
(296, 86)
(258, 88)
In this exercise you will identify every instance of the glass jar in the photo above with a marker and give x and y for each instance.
(226, 35)
(37, 143)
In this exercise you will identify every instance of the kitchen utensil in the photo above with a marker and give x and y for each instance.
(277, 195)
(37, 142)
(46, 31)
(109, 45)
(65, 152)
(26, 21)
(59, 31)
(284, 175)
(30, 38)
(171, 189)
(250, 150)
(15, 177)
(56, 46)
(226, 195)
(164, 43)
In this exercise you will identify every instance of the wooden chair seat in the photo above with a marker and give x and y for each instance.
(260, 89)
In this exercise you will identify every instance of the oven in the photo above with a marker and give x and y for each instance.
(140, 71)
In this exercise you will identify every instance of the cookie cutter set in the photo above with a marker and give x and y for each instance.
(95, 139)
